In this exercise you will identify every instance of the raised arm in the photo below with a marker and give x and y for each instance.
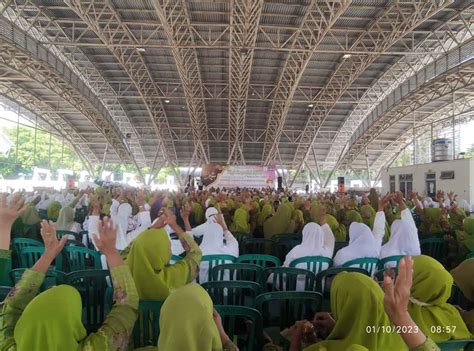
(379, 222)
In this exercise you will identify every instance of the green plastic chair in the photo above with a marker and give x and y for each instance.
(52, 278)
(29, 255)
(286, 279)
(314, 264)
(175, 258)
(257, 246)
(455, 345)
(433, 246)
(20, 243)
(92, 285)
(81, 258)
(147, 327)
(237, 271)
(232, 317)
(261, 260)
(469, 255)
(289, 306)
(233, 292)
(214, 260)
(61, 233)
(74, 243)
(240, 237)
(370, 264)
(284, 242)
(339, 245)
(4, 291)
(384, 262)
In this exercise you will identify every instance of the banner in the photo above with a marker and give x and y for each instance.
(238, 176)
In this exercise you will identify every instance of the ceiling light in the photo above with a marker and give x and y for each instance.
(310, 105)
(346, 56)
(141, 49)
(167, 101)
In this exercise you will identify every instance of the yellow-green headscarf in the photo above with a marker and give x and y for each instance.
(266, 211)
(279, 223)
(368, 213)
(240, 221)
(41, 327)
(53, 210)
(365, 302)
(339, 230)
(428, 305)
(432, 222)
(148, 258)
(186, 321)
(353, 216)
(466, 237)
(30, 215)
(198, 213)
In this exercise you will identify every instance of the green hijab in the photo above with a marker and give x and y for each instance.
(30, 215)
(456, 218)
(148, 258)
(240, 222)
(339, 230)
(365, 302)
(353, 216)
(53, 210)
(466, 237)
(279, 223)
(428, 305)
(432, 222)
(266, 211)
(368, 213)
(198, 213)
(65, 219)
(186, 321)
(41, 327)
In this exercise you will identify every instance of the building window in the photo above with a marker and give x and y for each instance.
(447, 175)
(392, 183)
(406, 183)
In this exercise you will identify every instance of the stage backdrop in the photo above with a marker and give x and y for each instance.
(241, 176)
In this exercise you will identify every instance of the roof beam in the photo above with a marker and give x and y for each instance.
(94, 13)
(176, 24)
(244, 21)
(318, 19)
(402, 17)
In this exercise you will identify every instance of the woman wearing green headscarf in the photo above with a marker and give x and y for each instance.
(428, 305)
(30, 216)
(351, 217)
(279, 222)
(240, 222)
(53, 210)
(366, 302)
(462, 276)
(466, 236)
(431, 221)
(339, 230)
(198, 213)
(456, 217)
(189, 322)
(66, 220)
(53, 320)
(150, 252)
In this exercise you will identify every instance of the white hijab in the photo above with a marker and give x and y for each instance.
(213, 244)
(362, 244)
(121, 220)
(202, 229)
(311, 245)
(403, 240)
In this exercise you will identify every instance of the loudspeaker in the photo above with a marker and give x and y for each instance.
(340, 184)
(280, 182)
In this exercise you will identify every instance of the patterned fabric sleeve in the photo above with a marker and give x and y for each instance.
(15, 303)
(428, 345)
(193, 257)
(117, 327)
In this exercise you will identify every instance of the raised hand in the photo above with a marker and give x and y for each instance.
(170, 217)
(52, 246)
(140, 198)
(397, 294)
(383, 201)
(107, 238)
(9, 212)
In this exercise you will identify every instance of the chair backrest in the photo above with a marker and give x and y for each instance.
(289, 307)
(323, 278)
(339, 245)
(175, 258)
(80, 258)
(61, 233)
(214, 260)
(370, 264)
(231, 321)
(456, 345)
(147, 326)
(390, 261)
(240, 237)
(52, 277)
(74, 243)
(30, 254)
(284, 242)
(20, 243)
(4, 291)
(433, 246)
(237, 271)
(233, 292)
(92, 285)
(257, 246)
(261, 260)
(314, 264)
(288, 279)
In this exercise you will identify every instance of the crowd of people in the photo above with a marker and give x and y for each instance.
(139, 231)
